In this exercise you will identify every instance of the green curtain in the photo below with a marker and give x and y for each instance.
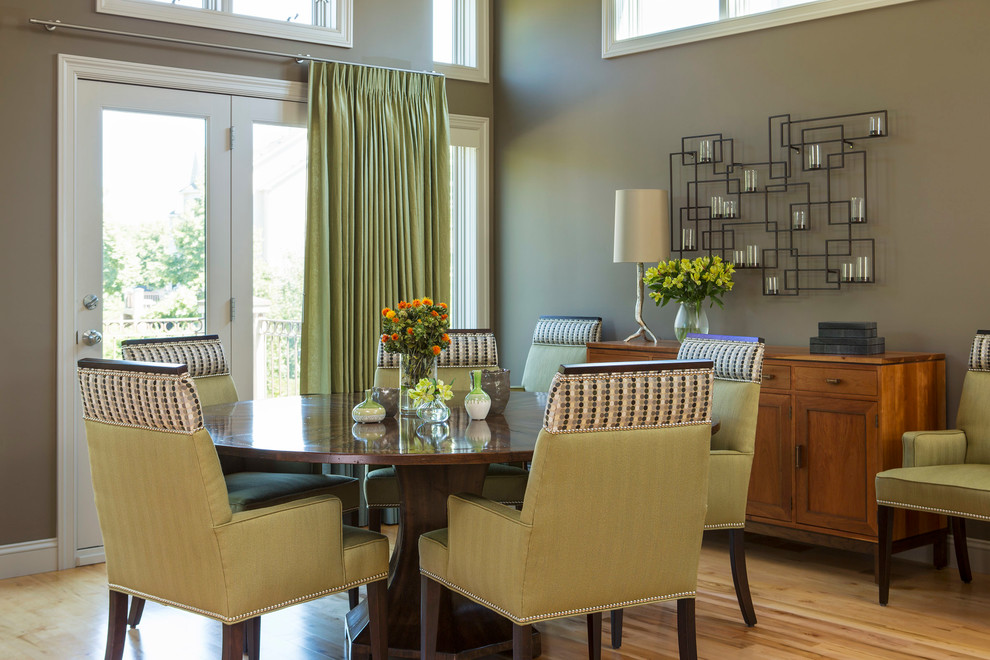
(378, 213)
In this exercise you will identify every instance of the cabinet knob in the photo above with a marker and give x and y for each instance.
(833, 381)
(769, 376)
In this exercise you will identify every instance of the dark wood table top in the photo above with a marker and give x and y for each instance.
(319, 429)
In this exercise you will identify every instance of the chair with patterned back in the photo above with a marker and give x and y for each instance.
(738, 364)
(170, 534)
(251, 482)
(468, 351)
(945, 472)
(558, 340)
(624, 429)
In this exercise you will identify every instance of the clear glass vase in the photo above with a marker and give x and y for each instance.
(412, 369)
(691, 317)
(433, 412)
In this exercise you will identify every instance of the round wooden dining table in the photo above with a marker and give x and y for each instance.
(432, 462)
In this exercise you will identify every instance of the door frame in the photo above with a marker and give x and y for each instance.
(72, 69)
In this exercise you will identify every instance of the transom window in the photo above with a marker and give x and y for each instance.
(460, 39)
(316, 21)
(631, 26)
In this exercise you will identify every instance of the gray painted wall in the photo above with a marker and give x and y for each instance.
(385, 33)
(572, 128)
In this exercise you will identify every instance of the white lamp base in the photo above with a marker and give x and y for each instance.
(643, 331)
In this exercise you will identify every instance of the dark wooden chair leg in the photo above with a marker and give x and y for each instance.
(137, 609)
(615, 616)
(429, 616)
(687, 640)
(252, 638)
(378, 617)
(116, 625)
(737, 553)
(522, 642)
(595, 636)
(233, 641)
(885, 535)
(962, 552)
(375, 520)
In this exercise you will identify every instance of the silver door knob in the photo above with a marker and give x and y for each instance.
(92, 337)
(91, 301)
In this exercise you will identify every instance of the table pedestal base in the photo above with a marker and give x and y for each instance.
(466, 630)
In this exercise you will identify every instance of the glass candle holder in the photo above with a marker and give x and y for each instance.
(705, 151)
(846, 271)
(716, 206)
(752, 256)
(857, 209)
(799, 219)
(728, 208)
(772, 288)
(814, 152)
(750, 180)
(687, 239)
(739, 258)
(863, 269)
(876, 125)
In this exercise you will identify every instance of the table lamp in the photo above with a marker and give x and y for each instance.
(642, 233)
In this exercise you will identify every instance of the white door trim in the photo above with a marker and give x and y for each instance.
(72, 69)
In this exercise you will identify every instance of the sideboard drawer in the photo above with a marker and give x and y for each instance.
(776, 376)
(832, 380)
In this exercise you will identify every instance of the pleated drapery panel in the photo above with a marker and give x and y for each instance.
(378, 213)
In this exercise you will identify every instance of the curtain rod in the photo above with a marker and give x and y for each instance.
(299, 57)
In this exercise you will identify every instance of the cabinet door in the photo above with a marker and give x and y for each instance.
(771, 485)
(836, 458)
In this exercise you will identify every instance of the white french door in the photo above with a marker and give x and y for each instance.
(189, 219)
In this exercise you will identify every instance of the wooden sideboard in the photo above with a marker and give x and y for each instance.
(827, 424)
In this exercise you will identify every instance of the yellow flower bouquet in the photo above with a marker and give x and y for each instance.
(690, 283)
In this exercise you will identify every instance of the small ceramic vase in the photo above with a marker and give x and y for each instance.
(369, 411)
(495, 382)
(477, 402)
(433, 412)
(388, 397)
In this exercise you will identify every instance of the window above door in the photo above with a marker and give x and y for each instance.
(633, 26)
(327, 22)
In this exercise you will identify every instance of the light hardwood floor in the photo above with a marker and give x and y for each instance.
(811, 603)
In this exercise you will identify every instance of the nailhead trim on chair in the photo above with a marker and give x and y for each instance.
(466, 349)
(582, 403)
(157, 402)
(563, 331)
(979, 355)
(561, 613)
(254, 613)
(725, 526)
(734, 360)
(944, 512)
(204, 357)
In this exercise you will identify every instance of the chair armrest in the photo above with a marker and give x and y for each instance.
(923, 448)
(297, 545)
(487, 544)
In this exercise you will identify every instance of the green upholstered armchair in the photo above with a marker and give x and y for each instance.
(738, 363)
(468, 351)
(251, 482)
(170, 534)
(558, 340)
(944, 472)
(624, 429)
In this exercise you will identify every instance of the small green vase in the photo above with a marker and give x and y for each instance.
(477, 402)
(368, 411)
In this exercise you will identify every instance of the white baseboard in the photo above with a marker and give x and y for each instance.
(19, 559)
(88, 556)
(979, 554)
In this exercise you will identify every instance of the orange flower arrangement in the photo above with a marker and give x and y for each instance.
(418, 328)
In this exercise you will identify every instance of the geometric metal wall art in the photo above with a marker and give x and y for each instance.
(800, 217)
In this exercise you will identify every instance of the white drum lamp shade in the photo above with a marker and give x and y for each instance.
(642, 226)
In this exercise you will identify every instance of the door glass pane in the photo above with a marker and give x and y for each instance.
(154, 227)
(279, 187)
(292, 11)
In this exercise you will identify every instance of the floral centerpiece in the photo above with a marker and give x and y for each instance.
(430, 396)
(417, 331)
(690, 283)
